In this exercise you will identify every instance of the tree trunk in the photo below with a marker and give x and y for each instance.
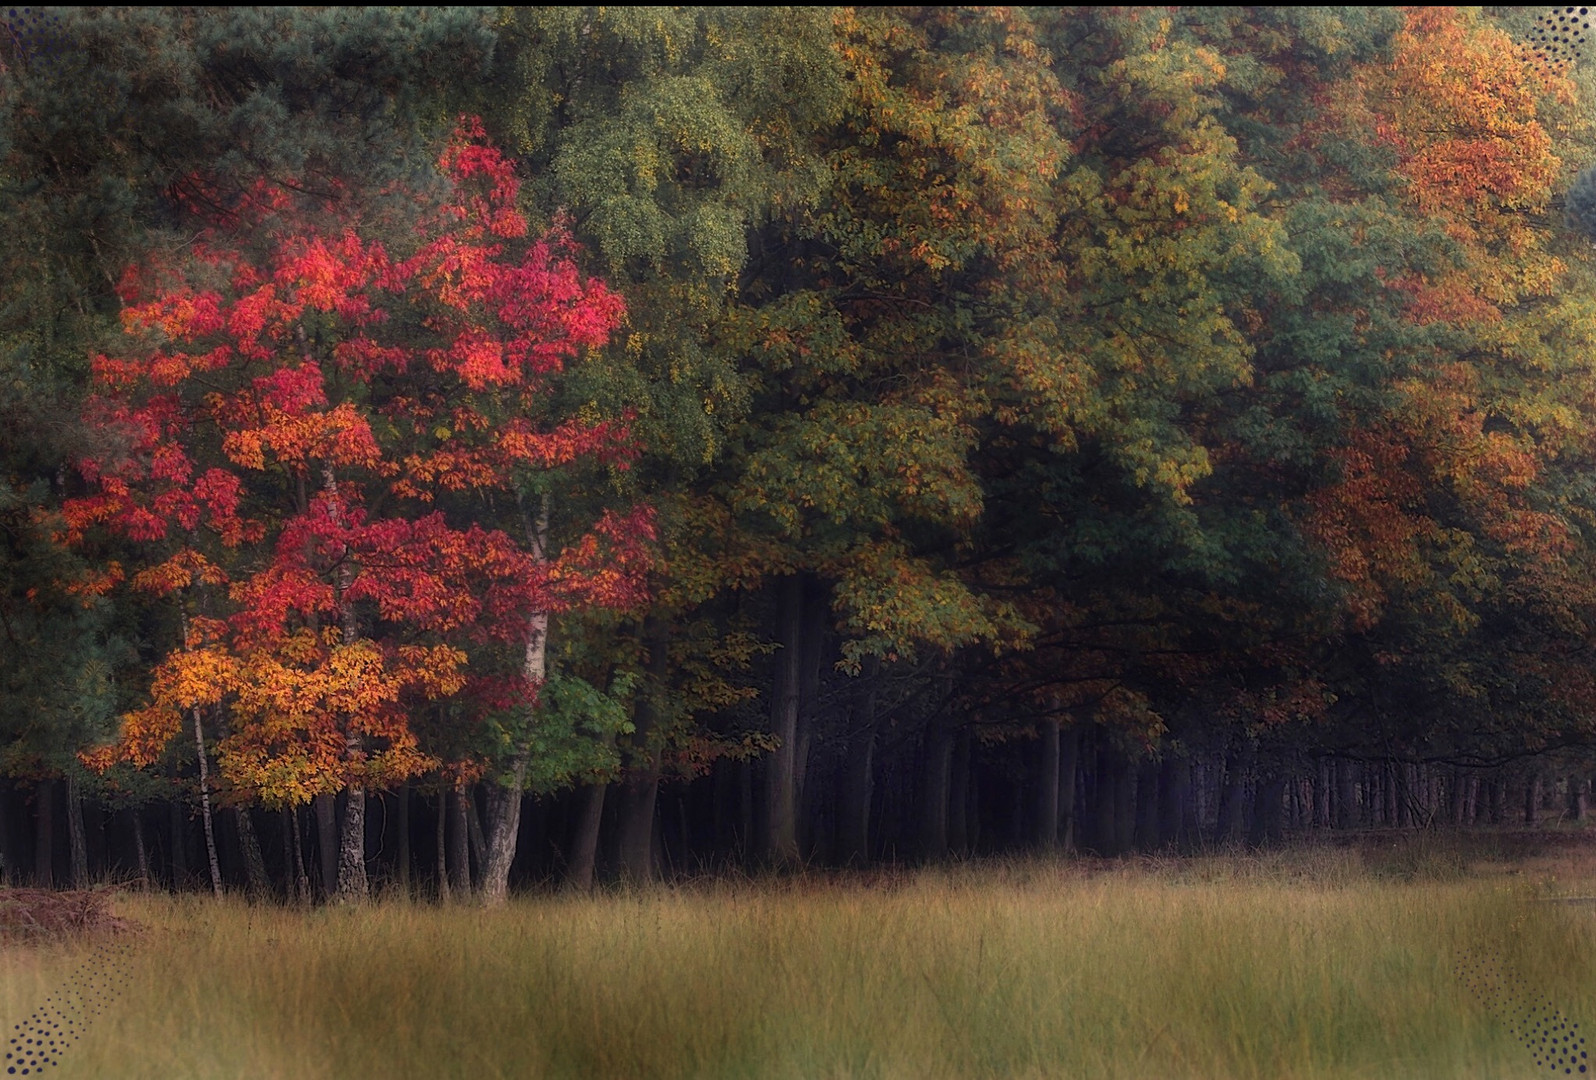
(504, 817)
(326, 809)
(1047, 785)
(1532, 798)
(254, 862)
(1267, 810)
(1346, 800)
(354, 886)
(1174, 798)
(77, 839)
(44, 835)
(1069, 760)
(1145, 834)
(402, 813)
(1114, 811)
(584, 848)
(479, 843)
(639, 860)
(459, 843)
(781, 825)
(1233, 796)
(936, 765)
(297, 845)
(443, 847)
(141, 851)
(858, 775)
(1578, 800)
(959, 797)
(205, 808)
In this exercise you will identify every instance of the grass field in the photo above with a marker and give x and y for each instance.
(1316, 963)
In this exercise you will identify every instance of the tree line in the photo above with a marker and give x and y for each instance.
(453, 449)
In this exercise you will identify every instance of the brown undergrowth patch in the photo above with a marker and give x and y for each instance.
(38, 916)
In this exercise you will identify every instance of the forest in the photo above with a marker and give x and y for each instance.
(450, 452)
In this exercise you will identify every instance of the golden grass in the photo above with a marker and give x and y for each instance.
(1298, 965)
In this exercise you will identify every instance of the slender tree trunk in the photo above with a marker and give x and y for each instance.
(205, 808)
(1267, 809)
(479, 843)
(584, 849)
(1578, 797)
(504, 802)
(459, 844)
(296, 844)
(77, 838)
(811, 640)
(1069, 761)
(443, 847)
(141, 851)
(402, 813)
(1233, 797)
(781, 825)
(44, 835)
(1346, 800)
(1532, 798)
(326, 808)
(638, 809)
(1047, 786)
(936, 765)
(1144, 836)
(959, 797)
(254, 862)
(858, 771)
(1174, 796)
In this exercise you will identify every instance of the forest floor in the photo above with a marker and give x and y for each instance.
(1397, 956)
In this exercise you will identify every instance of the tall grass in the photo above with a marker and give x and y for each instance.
(1333, 964)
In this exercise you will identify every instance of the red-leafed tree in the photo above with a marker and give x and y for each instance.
(321, 428)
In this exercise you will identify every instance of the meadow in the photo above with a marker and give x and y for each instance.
(1304, 963)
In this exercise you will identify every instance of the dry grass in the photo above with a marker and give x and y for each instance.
(1308, 964)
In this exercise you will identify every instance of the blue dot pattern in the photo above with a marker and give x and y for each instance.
(38, 1042)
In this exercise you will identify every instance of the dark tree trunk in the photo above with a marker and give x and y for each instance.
(1069, 762)
(1532, 797)
(44, 834)
(1267, 809)
(141, 850)
(781, 775)
(77, 838)
(479, 842)
(584, 848)
(811, 644)
(858, 771)
(441, 820)
(1174, 798)
(459, 843)
(402, 814)
(936, 767)
(1578, 797)
(294, 835)
(326, 810)
(1047, 785)
(1232, 797)
(254, 862)
(1346, 800)
(959, 797)
(639, 860)
(1146, 829)
(1494, 808)
(1113, 825)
